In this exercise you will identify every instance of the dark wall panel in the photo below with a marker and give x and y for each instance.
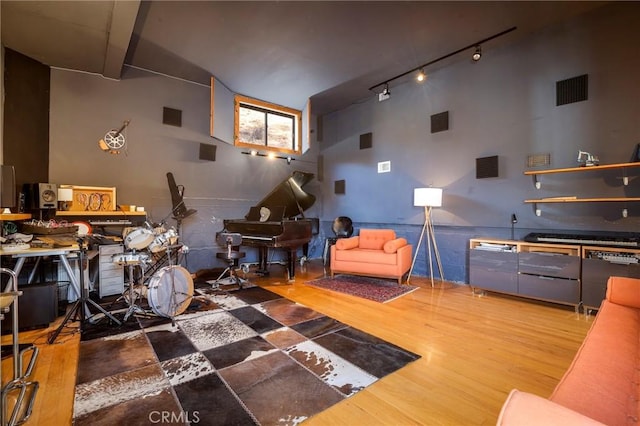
(26, 117)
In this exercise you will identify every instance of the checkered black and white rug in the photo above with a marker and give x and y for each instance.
(244, 357)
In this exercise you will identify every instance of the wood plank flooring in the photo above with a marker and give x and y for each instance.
(474, 350)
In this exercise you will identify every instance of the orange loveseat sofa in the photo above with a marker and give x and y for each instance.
(602, 383)
(374, 252)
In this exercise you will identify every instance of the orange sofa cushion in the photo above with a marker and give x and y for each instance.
(624, 291)
(347, 243)
(369, 257)
(526, 409)
(374, 239)
(393, 245)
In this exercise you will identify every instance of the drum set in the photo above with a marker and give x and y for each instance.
(169, 289)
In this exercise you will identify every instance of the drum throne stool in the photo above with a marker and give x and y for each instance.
(231, 255)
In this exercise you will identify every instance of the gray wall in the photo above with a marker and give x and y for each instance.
(85, 106)
(503, 105)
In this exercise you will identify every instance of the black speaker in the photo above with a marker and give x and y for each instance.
(26, 195)
(7, 186)
(37, 307)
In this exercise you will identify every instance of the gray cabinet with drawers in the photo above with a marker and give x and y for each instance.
(494, 267)
(547, 272)
(598, 264)
(111, 274)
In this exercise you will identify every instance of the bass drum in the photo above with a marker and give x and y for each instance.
(170, 291)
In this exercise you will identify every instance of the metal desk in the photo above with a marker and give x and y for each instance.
(62, 253)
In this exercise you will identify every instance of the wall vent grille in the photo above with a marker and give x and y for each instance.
(537, 160)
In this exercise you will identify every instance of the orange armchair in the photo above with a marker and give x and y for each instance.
(375, 252)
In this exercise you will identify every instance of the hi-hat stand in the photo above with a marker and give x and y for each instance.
(80, 307)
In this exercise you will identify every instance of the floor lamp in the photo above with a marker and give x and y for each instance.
(428, 198)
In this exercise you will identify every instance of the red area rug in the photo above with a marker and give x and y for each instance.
(375, 289)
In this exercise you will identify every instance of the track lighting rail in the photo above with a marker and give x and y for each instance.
(421, 67)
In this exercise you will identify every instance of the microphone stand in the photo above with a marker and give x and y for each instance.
(80, 306)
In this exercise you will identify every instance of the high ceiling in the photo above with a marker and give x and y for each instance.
(284, 52)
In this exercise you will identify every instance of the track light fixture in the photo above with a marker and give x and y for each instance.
(269, 155)
(386, 94)
(477, 54)
(421, 76)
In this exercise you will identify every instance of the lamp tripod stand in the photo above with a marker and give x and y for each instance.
(431, 240)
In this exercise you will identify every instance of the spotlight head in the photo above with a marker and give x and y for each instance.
(385, 94)
(421, 76)
(477, 54)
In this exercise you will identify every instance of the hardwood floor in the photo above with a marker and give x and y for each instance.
(474, 350)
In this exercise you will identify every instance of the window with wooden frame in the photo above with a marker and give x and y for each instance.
(265, 126)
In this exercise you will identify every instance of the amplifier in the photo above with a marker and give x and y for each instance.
(37, 307)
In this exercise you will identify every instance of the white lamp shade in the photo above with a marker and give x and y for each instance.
(431, 197)
(65, 194)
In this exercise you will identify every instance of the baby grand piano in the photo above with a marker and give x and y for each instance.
(278, 221)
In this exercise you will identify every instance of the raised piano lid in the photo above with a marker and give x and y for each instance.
(290, 195)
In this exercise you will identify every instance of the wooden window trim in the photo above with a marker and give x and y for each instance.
(297, 114)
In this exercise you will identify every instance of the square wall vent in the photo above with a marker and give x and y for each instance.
(384, 167)
(537, 160)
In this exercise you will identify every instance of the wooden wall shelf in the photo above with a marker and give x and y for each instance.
(15, 216)
(582, 169)
(573, 199)
(582, 200)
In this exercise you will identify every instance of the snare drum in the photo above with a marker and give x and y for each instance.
(138, 239)
(170, 291)
(130, 258)
(163, 240)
